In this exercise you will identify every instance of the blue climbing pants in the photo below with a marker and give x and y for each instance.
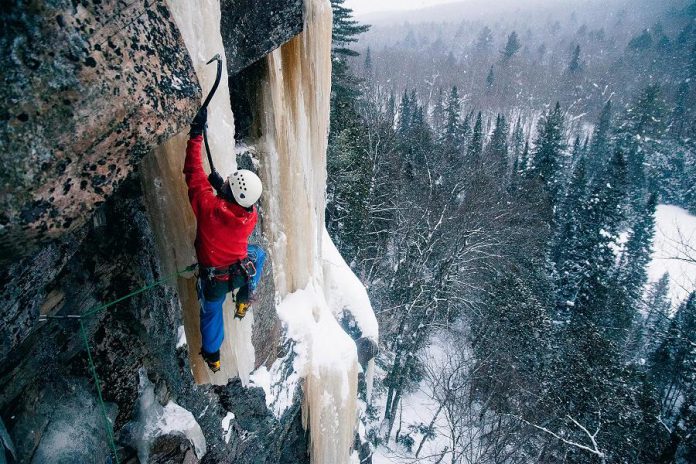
(212, 293)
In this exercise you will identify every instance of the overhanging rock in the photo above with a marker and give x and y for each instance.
(88, 88)
(251, 29)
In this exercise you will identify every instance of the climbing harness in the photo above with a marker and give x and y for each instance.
(83, 332)
(244, 268)
(205, 105)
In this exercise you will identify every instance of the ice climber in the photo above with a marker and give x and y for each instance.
(224, 222)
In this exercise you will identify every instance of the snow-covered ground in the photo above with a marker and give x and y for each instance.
(675, 244)
(418, 407)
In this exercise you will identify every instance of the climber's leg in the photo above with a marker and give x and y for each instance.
(212, 296)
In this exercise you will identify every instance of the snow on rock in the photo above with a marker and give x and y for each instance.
(345, 292)
(180, 337)
(279, 384)
(326, 357)
(675, 244)
(155, 420)
(227, 427)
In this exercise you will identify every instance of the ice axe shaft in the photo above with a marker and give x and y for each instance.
(207, 101)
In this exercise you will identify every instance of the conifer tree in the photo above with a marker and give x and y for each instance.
(576, 151)
(475, 148)
(345, 87)
(517, 139)
(368, 63)
(405, 113)
(636, 256)
(549, 151)
(511, 47)
(490, 79)
(497, 149)
(575, 65)
(525, 159)
(641, 131)
(600, 147)
(658, 306)
(631, 274)
(438, 116)
(667, 365)
(390, 112)
(484, 40)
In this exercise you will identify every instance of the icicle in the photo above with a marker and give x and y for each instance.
(369, 379)
(295, 99)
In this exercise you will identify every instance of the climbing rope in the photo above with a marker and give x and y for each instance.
(85, 340)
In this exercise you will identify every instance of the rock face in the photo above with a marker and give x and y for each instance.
(88, 88)
(44, 378)
(252, 29)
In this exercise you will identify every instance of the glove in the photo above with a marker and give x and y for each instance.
(216, 181)
(199, 122)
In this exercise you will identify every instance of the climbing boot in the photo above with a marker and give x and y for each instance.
(242, 308)
(212, 360)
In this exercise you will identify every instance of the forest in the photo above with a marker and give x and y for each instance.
(494, 177)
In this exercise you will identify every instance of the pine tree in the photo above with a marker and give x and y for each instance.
(576, 151)
(575, 65)
(636, 256)
(681, 112)
(497, 149)
(484, 40)
(390, 112)
(641, 132)
(345, 87)
(569, 241)
(405, 113)
(368, 62)
(600, 147)
(525, 159)
(490, 79)
(667, 365)
(511, 47)
(631, 274)
(517, 139)
(475, 148)
(658, 306)
(549, 151)
(438, 115)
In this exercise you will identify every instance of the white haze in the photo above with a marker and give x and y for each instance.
(361, 7)
(416, 11)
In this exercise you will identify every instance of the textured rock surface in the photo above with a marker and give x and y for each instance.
(251, 29)
(114, 255)
(87, 88)
(172, 449)
(258, 437)
(61, 422)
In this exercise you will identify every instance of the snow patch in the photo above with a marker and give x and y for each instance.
(227, 427)
(344, 291)
(180, 337)
(675, 244)
(155, 420)
(326, 357)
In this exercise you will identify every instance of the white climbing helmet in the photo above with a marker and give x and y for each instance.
(246, 187)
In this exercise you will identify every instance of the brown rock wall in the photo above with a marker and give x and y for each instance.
(88, 88)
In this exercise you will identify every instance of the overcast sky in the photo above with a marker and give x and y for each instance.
(361, 7)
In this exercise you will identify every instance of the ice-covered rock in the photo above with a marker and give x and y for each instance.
(155, 420)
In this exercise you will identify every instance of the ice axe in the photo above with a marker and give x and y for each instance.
(207, 101)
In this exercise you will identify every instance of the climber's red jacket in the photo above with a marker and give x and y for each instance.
(223, 227)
